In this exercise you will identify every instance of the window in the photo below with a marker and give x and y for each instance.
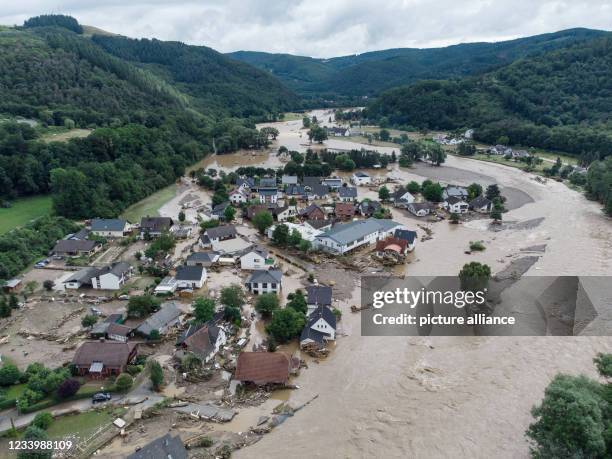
(264, 285)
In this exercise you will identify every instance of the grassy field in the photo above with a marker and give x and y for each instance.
(83, 424)
(292, 116)
(63, 134)
(14, 391)
(24, 210)
(149, 205)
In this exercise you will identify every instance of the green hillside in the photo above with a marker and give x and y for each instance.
(370, 73)
(561, 100)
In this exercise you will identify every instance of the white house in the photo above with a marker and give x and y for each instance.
(361, 179)
(347, 194)
(190, 277)
(284, 213)
(402, 198)
(332, 183)
(168, 316)
(265, 281)
(343, 238)
(407, 235)
(456, 205)
(110, 228)
(80, 278)
(203, 340)
(167, 285)
(268, 196)
(239, 196)
(306, 231)
(217, 234)
(320, 328)
(111, 277)
(420, 209)
(256, 259)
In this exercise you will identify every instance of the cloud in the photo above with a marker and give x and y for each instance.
(322, 28)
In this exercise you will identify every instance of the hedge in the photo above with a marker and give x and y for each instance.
(8, 403)
(55, 401)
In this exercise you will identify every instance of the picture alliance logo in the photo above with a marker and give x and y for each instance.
(413, 298)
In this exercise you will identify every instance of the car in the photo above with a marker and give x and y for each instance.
(100, 397)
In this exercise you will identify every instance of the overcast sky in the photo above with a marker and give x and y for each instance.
(322, 28)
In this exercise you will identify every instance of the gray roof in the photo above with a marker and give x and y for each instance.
(308, 209)
(361, 174)
(80, 234)
(268, 192)
(480, 201)
(311, 181)
(347, 192)
(269, 276)
(155, 224)
(289, 179)
(421, 205)
(312, 334)
(322, 312)
(83, 276)
(203, 256)
(110, 224)
(168, 313)
(166, 447)
(267, 182)
(334, 180)
(189, 273)
(249, 181)
(118, 269)
(319, 294)
(221, 231)
(345, 233)
(295, 190)
(74, 245)
(452, 190)
(319, 190)
(454, 199)
(406, 235)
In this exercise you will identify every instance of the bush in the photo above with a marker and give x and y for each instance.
(42, 420)
(68, 388)
(266, 304)
(477, 246)
(9, 375)
(33, 434)
(123, 382)
(157, 375)
(154, 335)
(205, 442)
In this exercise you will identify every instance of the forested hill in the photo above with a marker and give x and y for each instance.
(370, 73)
(214, 81)
(561, 100)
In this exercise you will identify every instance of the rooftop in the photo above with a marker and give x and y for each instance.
(104, 224)
(262, 276)
(347, 232)
(262, 367)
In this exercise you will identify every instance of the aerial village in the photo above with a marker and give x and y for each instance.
(206, 314)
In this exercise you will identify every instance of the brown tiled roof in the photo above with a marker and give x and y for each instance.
(345, 209)
(118, 329)
(262, 367)
(110, 353)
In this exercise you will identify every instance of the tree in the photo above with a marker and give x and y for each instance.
(280, 235)
(603, 363)
(432, 192)
(474, 190)
(181, 216)
(123, 382)
(286, 324)
(5, 308)
(203, 309)
(384, 135)
(42, 420)
(295, 238)
(384, 194)
(305, 122)
(140, 306)
(297, 301)
(305, 245)
(157, 375)
(68, 388)
(496, 215)
(454, 218)
(13, 301)
(232, 314)
(318, 134)
(413, 187)
(34, 434)
(436, 154)
(266, 304)
(269, 132)
(48, 285)
(9, 374)
(154, 335)
(492, 192)
(89, 320)
(263, 220)
(232, 296)
(229, 213)
(474, 276)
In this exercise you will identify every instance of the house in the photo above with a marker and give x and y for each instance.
(76, 248)
(367, 208)
(469, 134)
(289, 180)
(168, 316)
(111, 277)
(345, 237)
(246, 184)
(167, 285)
(218, 211)
(335, 131)
(309, 182)
(267, 183)
(166, 447)
(284, 213)
(401, 198)
(265, 281)
(455, 191)
(456, 205)
(100, 359)
(262, 368)
(111, 329)
(203, 340)
(80, 235)
(408, 236)
(318, 192)
(500, 150)
(333, 183)
(296, 191)
(420, 209)
(481, 205)
(251, 211)
(220, 233)
(190, 276)
(182, 232)
(81, 278)
(361, 179)
(518, 154)
(392, 248)
(11, 285)
(318, 295)
(344, 210)
(112, 227)
(312, 212)
(320, 225)
(239, 196)
(268, 196)
(205, 259)
(155, 226)
(347, 194)
(319, 329)
(307, 232)
(255, 259)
